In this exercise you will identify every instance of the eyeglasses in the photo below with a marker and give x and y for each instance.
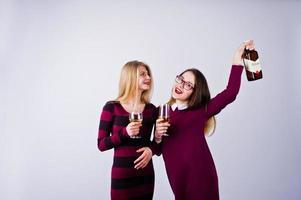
(186, 85)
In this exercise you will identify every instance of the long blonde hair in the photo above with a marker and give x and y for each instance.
(200, 97)
(128, 83)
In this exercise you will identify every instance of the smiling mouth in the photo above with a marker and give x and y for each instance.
(178, 91)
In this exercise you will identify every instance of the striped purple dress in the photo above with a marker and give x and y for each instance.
(127, 182)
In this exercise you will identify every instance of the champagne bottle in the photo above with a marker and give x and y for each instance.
(252, 65)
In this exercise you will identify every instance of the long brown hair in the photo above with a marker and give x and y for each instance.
(128, 82)
(199, 98)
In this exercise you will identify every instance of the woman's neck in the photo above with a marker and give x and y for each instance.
(132, 106)
(179, 102)
(133, 102)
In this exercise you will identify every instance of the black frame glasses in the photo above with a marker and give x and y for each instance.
(186, 84)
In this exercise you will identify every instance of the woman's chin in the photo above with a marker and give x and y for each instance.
(145, 88)
(176, 96)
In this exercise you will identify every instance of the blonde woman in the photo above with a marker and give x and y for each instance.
(188, 161)
(132, 174)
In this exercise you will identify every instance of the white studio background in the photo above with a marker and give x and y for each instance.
(60, 62)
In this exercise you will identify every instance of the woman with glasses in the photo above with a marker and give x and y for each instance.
(189, 164)
(132, 175)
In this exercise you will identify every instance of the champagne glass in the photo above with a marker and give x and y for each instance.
(136, 117)
(164, 114)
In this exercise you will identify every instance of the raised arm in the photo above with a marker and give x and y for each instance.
(227, 96)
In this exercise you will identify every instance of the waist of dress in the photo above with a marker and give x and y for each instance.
(127, 151)
(127, 161)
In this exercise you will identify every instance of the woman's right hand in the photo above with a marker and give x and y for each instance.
(133, 128)
(161, 129)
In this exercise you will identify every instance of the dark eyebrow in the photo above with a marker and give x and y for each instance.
(187, 81)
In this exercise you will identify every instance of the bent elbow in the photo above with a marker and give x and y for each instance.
(233, 94)
(100, 146)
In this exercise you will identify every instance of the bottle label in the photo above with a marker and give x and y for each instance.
(252, 66)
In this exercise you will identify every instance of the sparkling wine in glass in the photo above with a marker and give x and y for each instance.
(135, 117)
(164, 113)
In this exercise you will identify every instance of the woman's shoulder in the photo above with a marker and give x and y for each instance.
(196, 109)
(109, 105)
(113, 102)
(150, 106)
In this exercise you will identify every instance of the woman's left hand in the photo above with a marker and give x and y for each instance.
(144, 158)
(237, 59)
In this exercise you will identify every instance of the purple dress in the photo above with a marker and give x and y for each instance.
(189, 165)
